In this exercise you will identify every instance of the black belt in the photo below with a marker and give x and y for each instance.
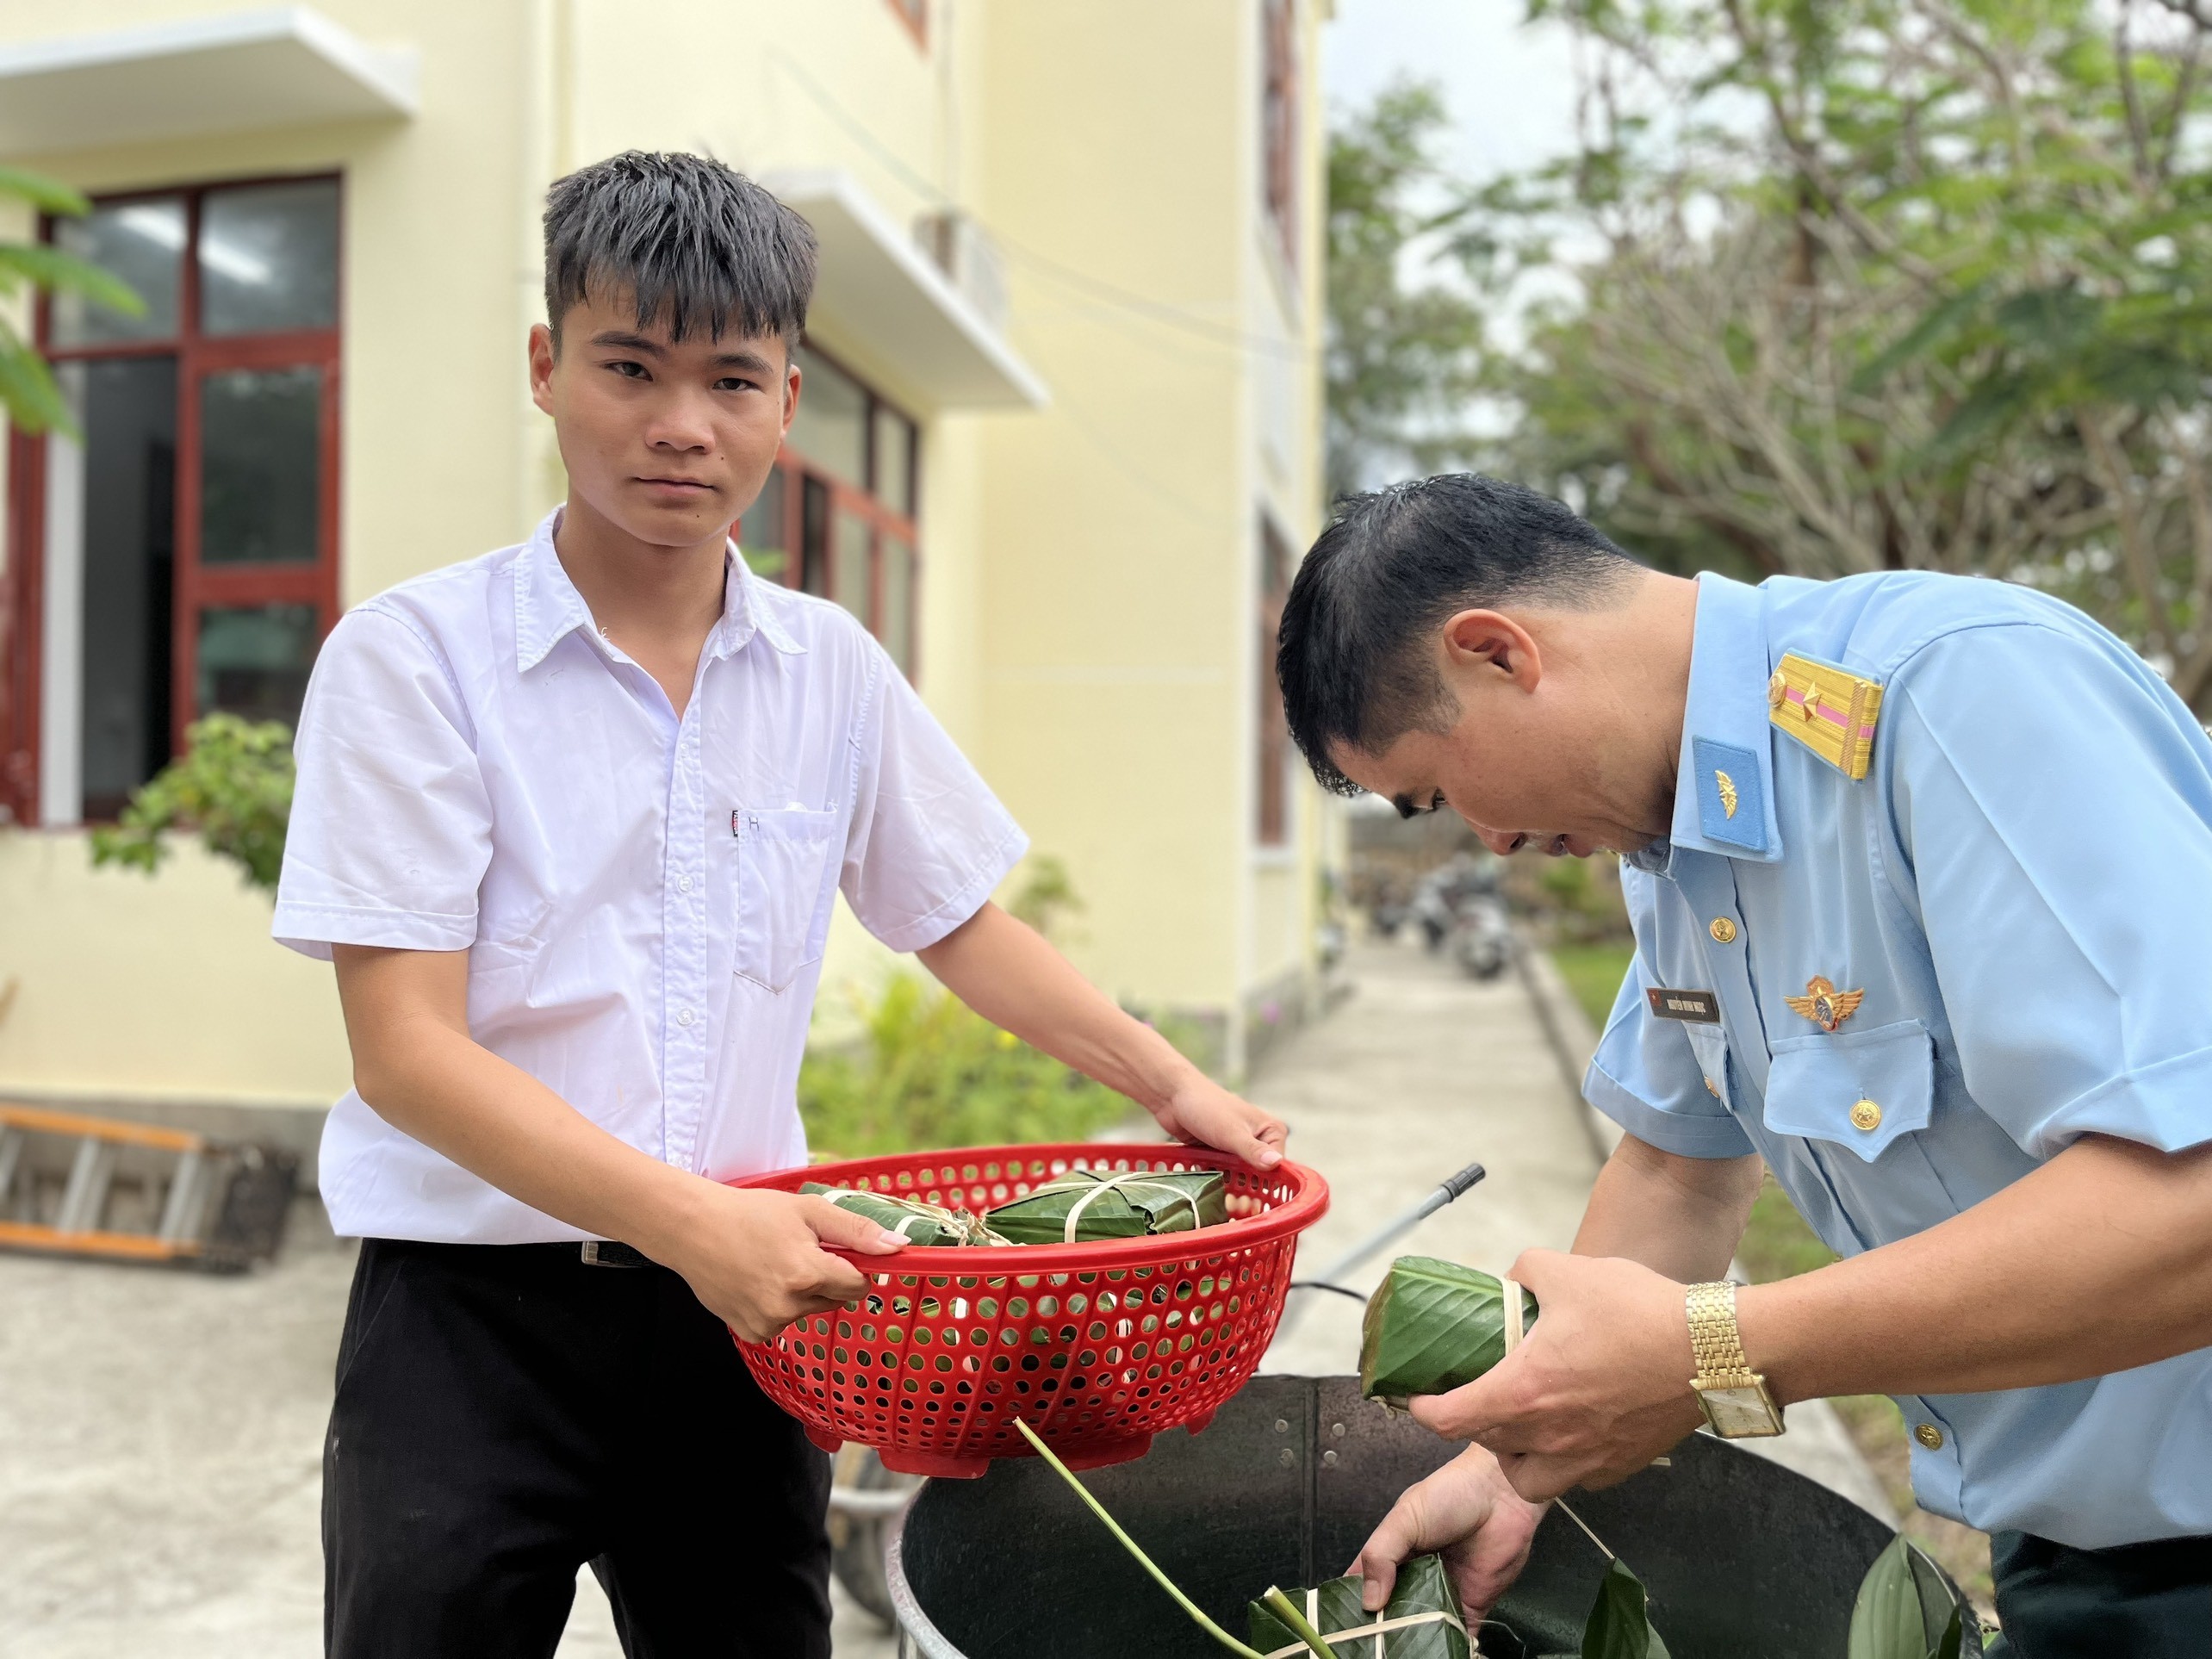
(604, 1253)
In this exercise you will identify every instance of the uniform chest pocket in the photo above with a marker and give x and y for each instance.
(1860, 1090)
(1710, 1044)
(784, 891)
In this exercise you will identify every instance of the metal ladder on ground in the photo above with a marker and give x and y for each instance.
(223, 1207)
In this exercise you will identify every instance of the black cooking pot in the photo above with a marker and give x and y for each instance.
(1743, 1559)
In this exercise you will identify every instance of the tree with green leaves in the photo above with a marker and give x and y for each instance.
(1879, 284)
(28, 393)
(1403, 354)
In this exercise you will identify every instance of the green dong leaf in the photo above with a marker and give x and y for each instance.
(1905, 1610)
(1619, 1626)
(1432, 1326)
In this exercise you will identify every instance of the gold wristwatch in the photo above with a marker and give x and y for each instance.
(1734, 1397)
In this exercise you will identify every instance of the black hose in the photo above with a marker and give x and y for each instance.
(1323, 1285)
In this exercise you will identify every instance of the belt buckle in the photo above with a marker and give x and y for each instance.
(601, 1252)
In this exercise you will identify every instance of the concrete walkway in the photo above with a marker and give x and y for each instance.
(161, 1462)
(1423, 1071)
(160, 1478)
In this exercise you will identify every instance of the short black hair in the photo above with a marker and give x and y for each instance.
(696, 244)
(1354, 656)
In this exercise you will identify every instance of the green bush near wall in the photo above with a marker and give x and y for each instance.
(931, 1073)
(1593, 973)
(231, 786)
(1777, 1244)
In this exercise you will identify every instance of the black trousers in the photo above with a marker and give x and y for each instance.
(2138, 1602)
(506, 1413)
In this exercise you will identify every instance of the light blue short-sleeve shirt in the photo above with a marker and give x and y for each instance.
(2021, 889)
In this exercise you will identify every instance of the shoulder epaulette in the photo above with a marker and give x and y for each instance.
(1831, 712)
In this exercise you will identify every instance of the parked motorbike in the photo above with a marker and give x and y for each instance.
(1482, 937)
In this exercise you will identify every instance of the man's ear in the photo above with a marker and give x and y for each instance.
(1487, 644)
(791, 377)
(544, 354)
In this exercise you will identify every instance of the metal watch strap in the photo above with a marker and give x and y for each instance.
(1713, 1337)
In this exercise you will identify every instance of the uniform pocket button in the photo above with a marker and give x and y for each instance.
(1867, 1115)
(1929, 1436)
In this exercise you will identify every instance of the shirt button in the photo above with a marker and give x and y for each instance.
(683, 883)
(1722, 930)
(1929, 1436)
(683, 1016)
(1867, 1115)
(1713, 1089)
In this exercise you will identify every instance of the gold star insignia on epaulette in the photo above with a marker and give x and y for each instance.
(1824, 1005)
(1829, 711)
(1727, 793)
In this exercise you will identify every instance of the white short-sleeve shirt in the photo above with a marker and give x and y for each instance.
(643, 899)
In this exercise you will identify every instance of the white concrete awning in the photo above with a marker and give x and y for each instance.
(284, 67)
(881, 302)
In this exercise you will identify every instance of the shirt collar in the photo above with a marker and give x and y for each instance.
(548, 607)
(1724, 780)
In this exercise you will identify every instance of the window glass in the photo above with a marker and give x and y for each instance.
(143, 244)
(814, 538)
(260, 465)
(894, 461)
(831, 428)
(254, 660)
(848, 567)
(127, 409)
(896, 628)
(760, 531)
(269, 258)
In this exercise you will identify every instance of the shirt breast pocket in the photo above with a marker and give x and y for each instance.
(784, 891)
(1710, 1044)
(1860, 1089)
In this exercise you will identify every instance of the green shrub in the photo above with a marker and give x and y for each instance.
(1777, 1244)
(1593, 973)
(232, 785)
(931, 1073)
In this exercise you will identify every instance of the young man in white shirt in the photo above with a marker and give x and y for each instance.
(570, 820)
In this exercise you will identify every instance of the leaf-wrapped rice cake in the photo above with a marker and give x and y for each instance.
(912, 1220)
(1083, 1204)
(1420, 1621)
(1432, 1326)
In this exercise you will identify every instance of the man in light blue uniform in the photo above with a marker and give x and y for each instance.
(1920, 870)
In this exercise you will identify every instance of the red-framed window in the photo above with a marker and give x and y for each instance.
(915, 14)
(181, 556)
(837, 516)
(1278, 121)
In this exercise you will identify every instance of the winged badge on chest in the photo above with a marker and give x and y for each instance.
(1824, 1005)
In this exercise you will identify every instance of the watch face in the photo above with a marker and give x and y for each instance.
(1740, 1414)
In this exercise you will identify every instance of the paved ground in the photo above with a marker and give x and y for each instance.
(162, 1433)
(1423, 1071)
(161, 1463)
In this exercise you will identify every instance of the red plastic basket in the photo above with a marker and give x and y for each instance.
(1098, 1345)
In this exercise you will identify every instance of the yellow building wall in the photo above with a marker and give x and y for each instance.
(1115, 600)
(1086, 616)
(171, 989)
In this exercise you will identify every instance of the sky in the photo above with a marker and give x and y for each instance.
(1510, 88)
